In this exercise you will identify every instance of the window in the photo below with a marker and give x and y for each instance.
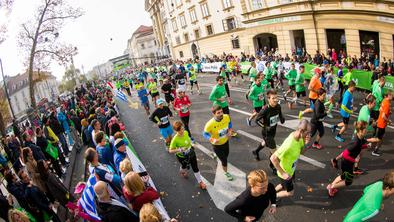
(271, 2)
(186, 36)
(209, 30)
(182, 20)
(229, 24)
(196, 34)
(178, 40)
(235, 43)
(181, 54)
(257, 4)
(193, 16)
(142, 46)
(204, 10)
(226, 4)
(174, 25)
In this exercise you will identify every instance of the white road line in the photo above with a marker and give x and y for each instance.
(240, 111)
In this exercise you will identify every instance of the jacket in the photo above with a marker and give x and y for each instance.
(57, 189)
(37, 152)
(114, 211)
(55, 125)
(61, 116)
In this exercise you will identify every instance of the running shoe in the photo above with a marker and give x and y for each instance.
(330, 190)
(214, 156)
(339, 138)
(229, 176)
(333, 128)
(317, 146)
(233, 134)
(329, 115)
(300, 115)
(376, 153)
(256, 155)
(358, 171)
(334, 163)
(202, 185)
(248, 121)
(183, 173)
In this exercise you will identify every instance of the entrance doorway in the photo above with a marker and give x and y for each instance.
(194, 50)
(336, 39)
(297, 40)
(369, 43)
(266, 41)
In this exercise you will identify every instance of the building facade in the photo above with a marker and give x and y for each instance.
(45, 88)
(207, 27)
(142, 46)
(101, 71)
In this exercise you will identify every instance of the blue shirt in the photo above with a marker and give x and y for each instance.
(347, 101)
(142, 95)
(118, 157)
(106, 155)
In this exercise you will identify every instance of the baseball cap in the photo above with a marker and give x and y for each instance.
(160, 101)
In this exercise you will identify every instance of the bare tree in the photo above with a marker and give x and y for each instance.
(38, 38)
(5, 7)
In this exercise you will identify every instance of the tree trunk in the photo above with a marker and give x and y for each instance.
(2, 126)
(31, 82)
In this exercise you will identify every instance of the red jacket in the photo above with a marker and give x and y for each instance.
(148, 196)
(179, 103)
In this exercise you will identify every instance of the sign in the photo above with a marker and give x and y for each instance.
(385, 19)
(211, 67)
(276, 20)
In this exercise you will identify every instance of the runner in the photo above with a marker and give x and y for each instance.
(331, 85)
(349, 156)
(182, 105)
(223, 74)
(256, 94)
(319, 113)
(143, 96)
(377, 91)
(182, 147)
(252, 72)
(268, 119)
(346, 110)
(153, 91)
(166, 88)
(314, 86)
(180, 80)
(300, 84)
(218, 130)
(286, 157)
(268, 72)
(218, 95)
(370, 203)
(291, 76)
(383, 120)
(251, 203)
(161, 117)
(193, 80)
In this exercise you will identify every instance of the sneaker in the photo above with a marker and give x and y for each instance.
(331, 191)
(358, 171)
(300, 115)
(339, 138)
(256, 155)
(202, 185)
(285, 98)
(376, 153)
(183, 173)
(229, 176)
(333, 128)
(334, 163)
(233, 134)
(248, 121)
(317, 146)
(329, 115)
(214, 156)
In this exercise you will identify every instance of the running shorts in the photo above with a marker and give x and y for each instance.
(166, 132)
(347, 171)
(301, 94)
(222, 152)
(380, 133)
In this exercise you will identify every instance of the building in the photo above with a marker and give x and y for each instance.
(101, 71)
(142, 46)
(161, 28)
(45, 88)
(207, 27)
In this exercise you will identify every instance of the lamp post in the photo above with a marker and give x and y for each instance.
(6, 90)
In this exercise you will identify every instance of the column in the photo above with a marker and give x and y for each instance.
(352, 42)
(386, 45)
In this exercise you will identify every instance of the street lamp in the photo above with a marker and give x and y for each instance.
(6, 90)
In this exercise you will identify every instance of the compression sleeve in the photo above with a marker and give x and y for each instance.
(207, 135)
(230, 125)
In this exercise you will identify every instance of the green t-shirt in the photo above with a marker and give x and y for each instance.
(365, 115)
(223, 74)
(183, 142)
(300, 82)
(347, 78)
(152, 87)
(192, 75)
(219, 92)
(368, 205)
(256, 94)
(291, 76)
(377, 91)
(288, 153)
(268, 71)
(252, 74)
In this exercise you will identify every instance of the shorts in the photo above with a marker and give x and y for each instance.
(193, 82)
(168, 98)
(317, 127)
(346, 120)
(301, 94)
(288, 184)
(145, 104)
(269, 137)
(257, 109)
(222, 152)
(375, 114)
(226, 110)
(166, 132)
(312, 103)
(155, 94)
(292, 87)
(347, 171)
(380, 133)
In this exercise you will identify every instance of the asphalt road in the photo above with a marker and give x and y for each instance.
(184, 200)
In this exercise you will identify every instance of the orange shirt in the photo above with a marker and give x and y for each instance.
(315, 84)
(384, 108)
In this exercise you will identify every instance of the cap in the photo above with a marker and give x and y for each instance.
(119, 142)
(160, 101)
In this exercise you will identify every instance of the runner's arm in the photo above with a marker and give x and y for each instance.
(233, 208)
(363, 215)
(276, 162)
(260, 117)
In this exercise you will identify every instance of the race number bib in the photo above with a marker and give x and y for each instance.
(164, 120)
(274, 120)
(184, 109)
(261, 96)
(223, 133)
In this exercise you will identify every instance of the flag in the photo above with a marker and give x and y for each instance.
(87, 199)
(110, 85)
(121, 95)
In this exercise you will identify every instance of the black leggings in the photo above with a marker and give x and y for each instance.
(222, 152)
(185, 121)
(189, 160)
(227, 89)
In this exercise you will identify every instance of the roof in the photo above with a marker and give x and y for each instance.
(143, 30)
(20, 81)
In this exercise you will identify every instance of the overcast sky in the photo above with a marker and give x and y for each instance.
(92, 33)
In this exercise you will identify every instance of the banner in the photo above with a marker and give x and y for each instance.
(211, 67)
(244, 67)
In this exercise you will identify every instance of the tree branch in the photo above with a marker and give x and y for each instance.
(28, 34)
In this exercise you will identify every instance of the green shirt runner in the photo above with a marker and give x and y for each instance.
(219, 93)
(368, 205)
(291, 75)
(183, 142)
(256, 94)
(288, 154)
(300, 82)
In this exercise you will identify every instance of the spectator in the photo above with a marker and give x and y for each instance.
(37, 152)
(31, 166)
(119, 154)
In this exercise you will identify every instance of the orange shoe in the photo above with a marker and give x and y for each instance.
(202, 185)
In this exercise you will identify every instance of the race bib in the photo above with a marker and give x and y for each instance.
(164, 120)
(223, 132)
(184, 109)
(274, 120)
(261, 96)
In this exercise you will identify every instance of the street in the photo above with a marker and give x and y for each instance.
(184, 200)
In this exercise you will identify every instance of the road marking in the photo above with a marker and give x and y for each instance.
(223, 191)
(240, 111)
(309, 119)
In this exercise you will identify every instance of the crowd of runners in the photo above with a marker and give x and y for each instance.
(38, 151)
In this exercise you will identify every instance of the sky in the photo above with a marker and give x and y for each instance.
(92, 33)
